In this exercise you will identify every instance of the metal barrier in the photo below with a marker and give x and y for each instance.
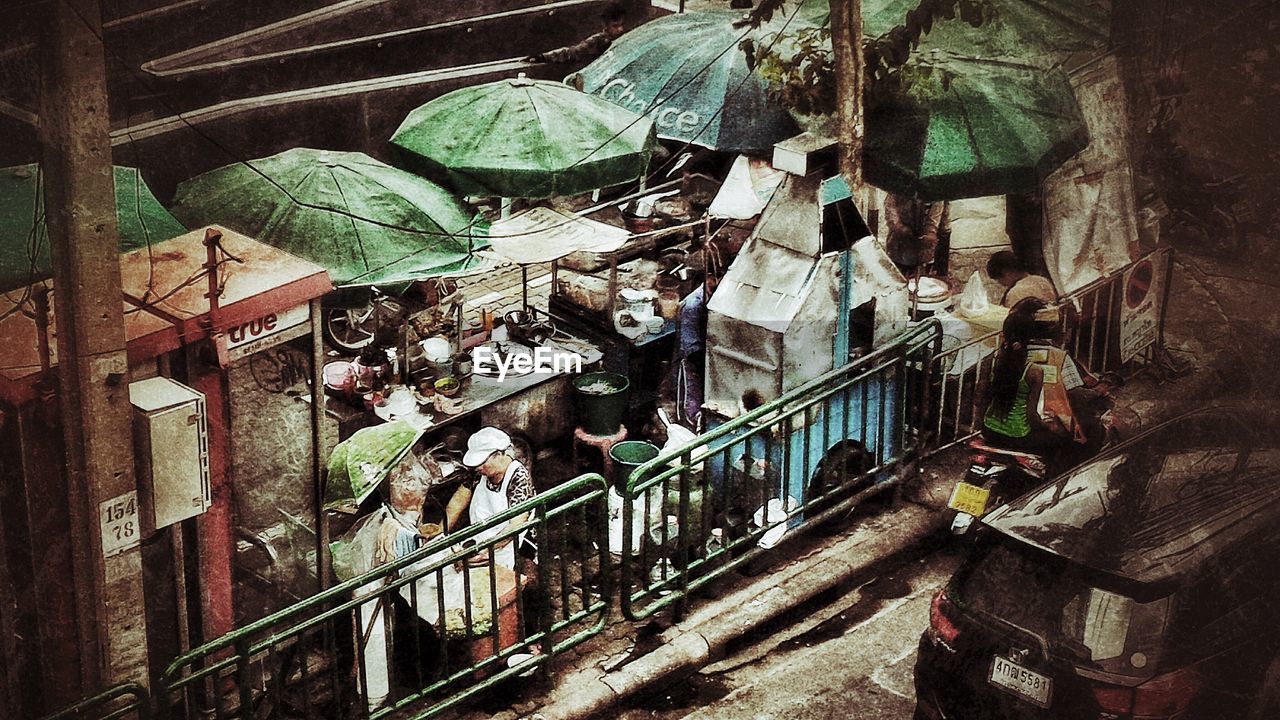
(1092, 315)
(812, 452)
(1090, 326)
(427, 630)
(126, 700)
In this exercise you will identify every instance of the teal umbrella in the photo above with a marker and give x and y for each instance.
(524, 138)
(360, 462)
(24, 246)
(687, 73)
(1019, 28)
(963, 127)
(366, 222)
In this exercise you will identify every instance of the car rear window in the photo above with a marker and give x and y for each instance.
(1059, 603)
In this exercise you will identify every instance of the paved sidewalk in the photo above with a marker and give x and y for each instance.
(592, 681)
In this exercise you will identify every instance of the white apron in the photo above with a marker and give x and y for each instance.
(486, 503)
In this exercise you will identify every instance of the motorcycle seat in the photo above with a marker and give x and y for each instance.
(1031, 461)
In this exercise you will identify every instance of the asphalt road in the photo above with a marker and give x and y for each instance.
(851, 659)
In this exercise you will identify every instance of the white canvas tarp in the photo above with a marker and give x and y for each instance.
(1090, 218)
(746, 190)
(542, 234)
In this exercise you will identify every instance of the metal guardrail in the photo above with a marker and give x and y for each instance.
(1090, 326)
(794, 460)
(816, 451)
(419, 634)
(126, 700)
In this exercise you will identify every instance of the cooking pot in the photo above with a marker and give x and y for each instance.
(437, 349)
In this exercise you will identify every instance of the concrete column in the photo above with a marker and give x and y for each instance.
(93, 368)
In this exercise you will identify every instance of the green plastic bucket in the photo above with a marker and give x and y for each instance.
(627, 456)
(602, 401)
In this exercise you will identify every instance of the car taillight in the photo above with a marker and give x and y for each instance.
(942, 627)
(1163, 696)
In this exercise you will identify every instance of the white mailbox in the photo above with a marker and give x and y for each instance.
(171, 443)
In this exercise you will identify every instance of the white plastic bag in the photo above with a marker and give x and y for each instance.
(974, 301)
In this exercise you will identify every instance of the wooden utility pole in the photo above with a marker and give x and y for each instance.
(93, 367)
(846, 42)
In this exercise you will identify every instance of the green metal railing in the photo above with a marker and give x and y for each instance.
(420, 634)
(814, 452)
(126, 700)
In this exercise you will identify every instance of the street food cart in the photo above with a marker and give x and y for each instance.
(810, 291)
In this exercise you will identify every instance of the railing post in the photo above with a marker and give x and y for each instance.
(686, 533)
(244, 678)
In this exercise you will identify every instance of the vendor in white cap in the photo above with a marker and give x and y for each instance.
(503, 482)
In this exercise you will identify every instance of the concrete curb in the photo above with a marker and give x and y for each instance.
(703, 636)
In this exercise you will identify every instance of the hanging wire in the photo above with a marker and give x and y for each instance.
(146, 84)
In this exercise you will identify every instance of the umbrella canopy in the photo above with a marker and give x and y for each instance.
(962, 127)
(361, 461)
(687, 73)
(24, 246)
(1020, 28)
(366, 222)
(524, 138)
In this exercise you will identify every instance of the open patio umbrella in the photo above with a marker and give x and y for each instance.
(360, 462)
(687, 73)
(366, 222)
(524, 138)
(964, 127)
(24, 246)
(1019, 28)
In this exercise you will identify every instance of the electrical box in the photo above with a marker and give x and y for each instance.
(171, 447)
(805, 153)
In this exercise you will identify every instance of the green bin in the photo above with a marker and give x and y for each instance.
(602, 401)
(627, 456)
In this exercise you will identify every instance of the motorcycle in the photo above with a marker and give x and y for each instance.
(996, 475)
(356, 317)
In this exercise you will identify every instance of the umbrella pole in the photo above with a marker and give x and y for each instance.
(915, 296)
(524, 286)
(506, 208)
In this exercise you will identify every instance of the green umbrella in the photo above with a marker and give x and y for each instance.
(524, 138)
(361, 461)
(1019, 28)
(366, 222)
(962, 127)
(141, 219)
(686, 72)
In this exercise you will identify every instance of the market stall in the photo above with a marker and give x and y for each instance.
(208, 317)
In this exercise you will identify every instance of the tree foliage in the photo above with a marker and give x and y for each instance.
(798, 63)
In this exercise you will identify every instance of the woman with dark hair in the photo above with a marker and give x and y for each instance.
(1015, 418)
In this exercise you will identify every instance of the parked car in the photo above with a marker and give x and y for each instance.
(1142, 585)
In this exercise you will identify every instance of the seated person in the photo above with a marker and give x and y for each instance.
(1004, 268)
(1029, 406)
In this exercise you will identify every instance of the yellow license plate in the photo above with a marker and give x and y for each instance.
(969, 499)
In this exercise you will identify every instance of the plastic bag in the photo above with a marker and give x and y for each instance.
(974, 301)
